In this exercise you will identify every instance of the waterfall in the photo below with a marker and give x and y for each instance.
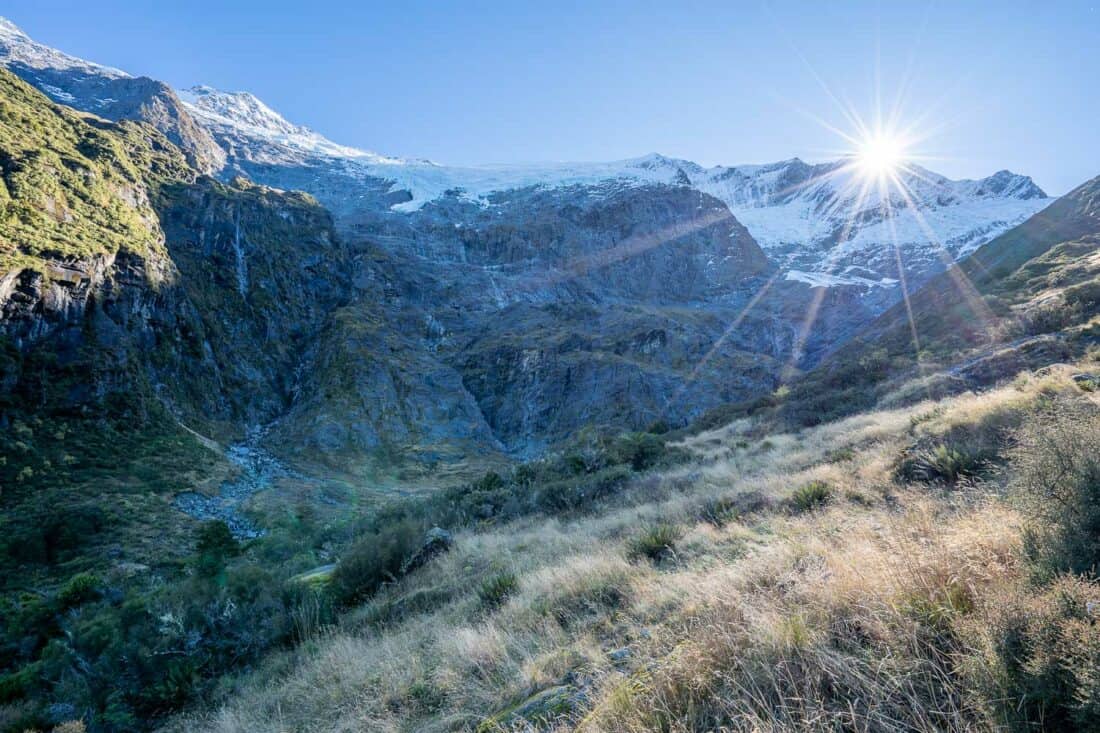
(242, 267)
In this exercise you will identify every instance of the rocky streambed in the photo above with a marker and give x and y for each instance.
(258, 469)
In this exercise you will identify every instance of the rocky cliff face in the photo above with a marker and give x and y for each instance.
(124, 276)
(533, 319)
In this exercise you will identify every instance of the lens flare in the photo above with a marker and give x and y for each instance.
(879, 156)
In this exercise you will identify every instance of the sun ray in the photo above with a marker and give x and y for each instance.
(814, 308)
(631, 247)
(719, 341)
(903, 281)
(966, 288)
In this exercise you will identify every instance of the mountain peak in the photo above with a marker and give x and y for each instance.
(11, 30)
(244, 114)
(16, 47)
(240, 108)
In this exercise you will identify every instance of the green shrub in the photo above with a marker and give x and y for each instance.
(1041, 651)
(491, 481)
(496, 589)
(574, 493)
(1056, 476)
(941, 463)
(374, 559)
(655, 543)
(79, 589)
(640, 451)
(810, 496)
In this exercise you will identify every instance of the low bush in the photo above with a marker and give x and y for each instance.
(655, 543)
(810, 496)
(1056, 477)
(573, 493)
(640, 451)
(374, 559)
(496, 589)
(1041, 651)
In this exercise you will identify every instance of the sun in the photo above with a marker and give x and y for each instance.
(880, 155)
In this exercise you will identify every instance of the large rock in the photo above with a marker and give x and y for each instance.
(436, 542)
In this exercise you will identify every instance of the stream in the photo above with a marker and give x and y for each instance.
(258, 469)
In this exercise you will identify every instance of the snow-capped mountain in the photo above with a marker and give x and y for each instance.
(16, 47)
(241, 118)
(819, 221)
(822, 221)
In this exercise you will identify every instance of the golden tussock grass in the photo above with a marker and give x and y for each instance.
(857, 614)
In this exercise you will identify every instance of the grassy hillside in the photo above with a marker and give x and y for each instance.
(73, 187)
(884, 572)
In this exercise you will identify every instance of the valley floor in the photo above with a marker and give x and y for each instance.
(879, 573)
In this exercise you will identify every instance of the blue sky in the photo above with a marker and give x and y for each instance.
(998, 84)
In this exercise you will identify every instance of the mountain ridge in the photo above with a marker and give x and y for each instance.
(793, 208)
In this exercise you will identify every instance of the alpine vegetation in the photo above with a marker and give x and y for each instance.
(295, 436)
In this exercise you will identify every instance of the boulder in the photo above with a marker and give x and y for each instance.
(537, 711)
(436, 541)
(1087, 382)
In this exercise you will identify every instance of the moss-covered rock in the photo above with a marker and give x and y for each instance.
(538, 711)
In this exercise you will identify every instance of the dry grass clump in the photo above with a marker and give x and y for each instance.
(810, 496)
(580, 589)
(942, 463)
(655, 543)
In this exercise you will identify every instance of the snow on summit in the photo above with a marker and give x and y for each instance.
(245, 114)
(16, 47)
